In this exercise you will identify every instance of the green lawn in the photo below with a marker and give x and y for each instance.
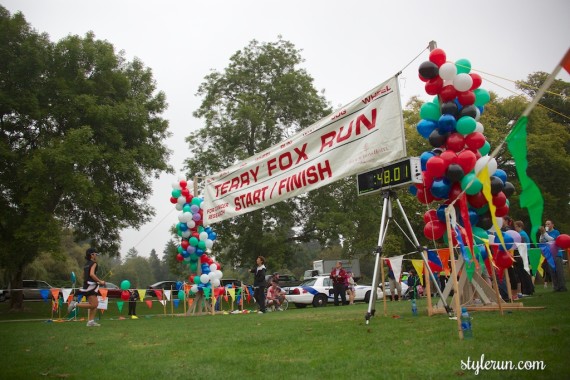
(330, 342)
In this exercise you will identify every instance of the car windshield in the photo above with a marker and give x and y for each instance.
(308, 282)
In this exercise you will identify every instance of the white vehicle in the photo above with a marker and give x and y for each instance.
(318, 291)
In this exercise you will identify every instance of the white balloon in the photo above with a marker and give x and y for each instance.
(209, 244)
(178, 207)
(186, 234)
(204, 278)
(181, 200)
(176, 186)
(213, 267)
(219, 274)
(481, 163)
(492, 165)
(477, 113)
(194, 288)
(191, 223)
(447, 71)
(181, 218)
(479, 128)
(216, 282)
(462, 82)
(203, 236)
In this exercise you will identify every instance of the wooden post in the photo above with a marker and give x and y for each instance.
(508, 283)
(495, 283)
(428, 289)
(454, 274)
(383, 287)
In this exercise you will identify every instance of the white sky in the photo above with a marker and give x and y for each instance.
(348, 47)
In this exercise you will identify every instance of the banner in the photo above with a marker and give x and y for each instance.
(364, 134)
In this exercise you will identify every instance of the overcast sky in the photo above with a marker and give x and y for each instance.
(348, 47)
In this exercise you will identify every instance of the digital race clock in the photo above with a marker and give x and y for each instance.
(396, 174)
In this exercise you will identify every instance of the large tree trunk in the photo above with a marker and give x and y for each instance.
(17, 297)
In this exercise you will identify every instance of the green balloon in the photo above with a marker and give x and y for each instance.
(463, 66)
(202, 245)
(186, 208)
(196, 201)
(197, 280)
(125, 285)
(482, 210)
(479, 233)
(472, 188)
(181, 296)
(485, 149)
(482, 96)
(435, 100)
(466, 125)
(194, 267)
(193, 241)
(176, 193)
(430, 111)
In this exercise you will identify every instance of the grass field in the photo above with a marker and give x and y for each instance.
(330, 342)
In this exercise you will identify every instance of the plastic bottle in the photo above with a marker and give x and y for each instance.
(414, 308)
(466, 324)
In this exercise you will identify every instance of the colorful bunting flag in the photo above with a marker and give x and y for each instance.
(434, 261)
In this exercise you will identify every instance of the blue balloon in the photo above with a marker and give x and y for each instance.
(501, 174)
(179, 285)
(413, 190)
(440, 188)
(426, 127)
(441, 212)
(509, 242)
(73, 278)
(424, 157)
(446, 124)
(483, 250)
(473, 217)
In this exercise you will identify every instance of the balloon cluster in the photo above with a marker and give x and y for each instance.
(195, 240)
(460, 149)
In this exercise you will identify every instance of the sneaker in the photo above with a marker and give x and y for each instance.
(134, 317)
(72, 305)
(279, 309)
(260, 312)
(93, 324)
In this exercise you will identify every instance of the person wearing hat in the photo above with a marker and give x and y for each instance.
(90, 288)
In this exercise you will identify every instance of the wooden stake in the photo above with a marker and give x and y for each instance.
(454, 274)
(383, 287)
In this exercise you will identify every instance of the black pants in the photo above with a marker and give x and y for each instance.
(132, 307)
(259, 294)
(339, 289)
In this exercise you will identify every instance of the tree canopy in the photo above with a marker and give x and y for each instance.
(81, 137)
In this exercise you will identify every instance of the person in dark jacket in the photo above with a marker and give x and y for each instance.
(339, 277)
(413, 282)
(259, 283)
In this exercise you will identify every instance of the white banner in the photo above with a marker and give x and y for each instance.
(360, 136)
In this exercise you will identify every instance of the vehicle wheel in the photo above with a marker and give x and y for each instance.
(300, 305)
(320, 300)
(367, 297)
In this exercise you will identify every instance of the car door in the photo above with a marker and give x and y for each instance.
(328, 285)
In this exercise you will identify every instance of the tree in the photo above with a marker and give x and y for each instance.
(261, 98)
(81, 136)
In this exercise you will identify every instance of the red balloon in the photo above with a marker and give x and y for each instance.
(502, 211)
(422, 78)
(449, 157)
(466, 160)
(184, 243)
(475, 140)
(437, 56)
(424, 197)
(204, 258)
(448, 93)
(503, 259)
(125, 295)
(434, 86)
(434, 230)
(500, 199)
(173, 200)
(477, 80)
(183, 184)
(466, 98)
(477, 200)
(563, 241)
(191, 279)
(430, 215)
(436, 167)
(185, 192)
(179, 257)
(427, 179)
(455, 191)
(455, 142)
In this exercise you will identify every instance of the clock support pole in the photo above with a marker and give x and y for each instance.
(389, 196)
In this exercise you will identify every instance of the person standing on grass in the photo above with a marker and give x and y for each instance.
(133, 298)
(338, 276)
(548, 234)
(90, 288)
(259, 283)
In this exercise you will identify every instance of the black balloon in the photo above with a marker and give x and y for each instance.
(450, 108)
(454, 173)
(429, 70)
(497, 185)
(436, 140)
(509, 189)
(469, 111)
(485, 221)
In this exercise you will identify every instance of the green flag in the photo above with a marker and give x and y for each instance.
(531, 197)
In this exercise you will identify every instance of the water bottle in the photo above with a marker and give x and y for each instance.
(414, 308)
(466, 324)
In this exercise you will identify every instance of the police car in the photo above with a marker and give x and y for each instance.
(318, 291)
